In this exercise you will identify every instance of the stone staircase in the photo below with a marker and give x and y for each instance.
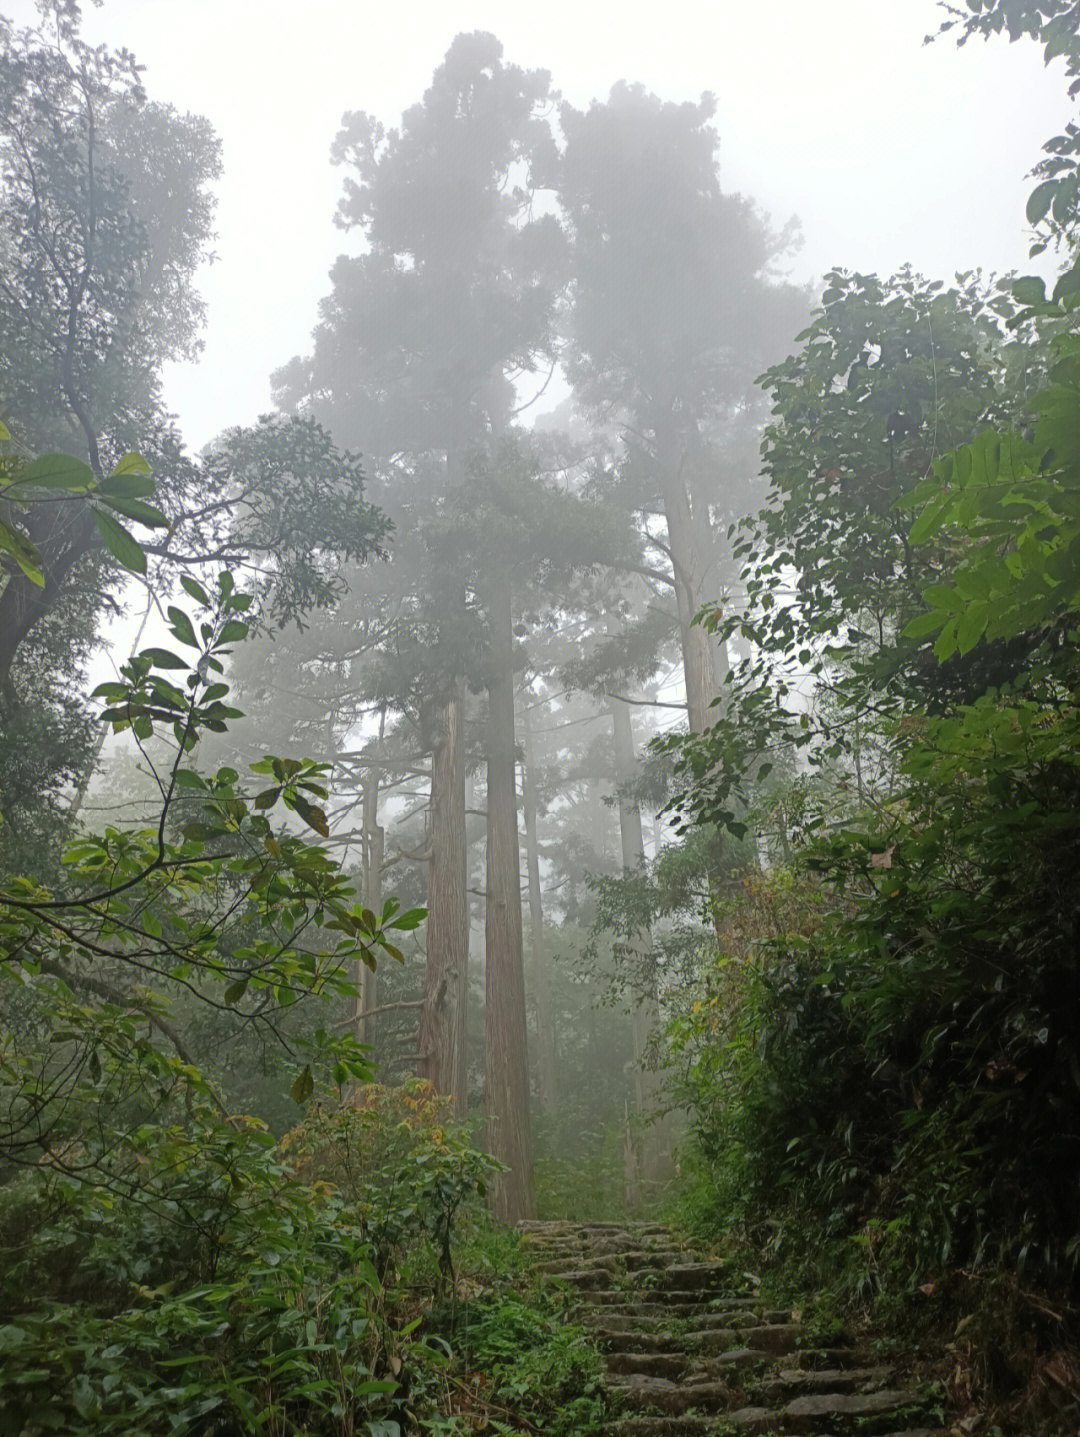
(692, 1353)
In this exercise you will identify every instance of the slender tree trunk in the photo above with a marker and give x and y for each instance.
(461, 1071)
(442, 1022)
(506, 1046)
(539, 965)
(651, 1141)
(373, 841)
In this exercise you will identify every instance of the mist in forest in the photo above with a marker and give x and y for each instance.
(535, 591)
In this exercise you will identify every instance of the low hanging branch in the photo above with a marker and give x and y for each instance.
(374, 1013)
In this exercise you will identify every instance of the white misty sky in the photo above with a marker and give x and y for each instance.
(832, 110)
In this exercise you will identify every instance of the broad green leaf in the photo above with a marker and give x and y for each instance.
(946, 643)
(970, 627)
(233, 631)
(1039, 201)
(127, 486)
(1030, 289)
(1068, 283)
(235, 991)
(124, 549)
(314, 817)
(23, 552)
(60, 471)
(410, 919)
(188, 778)
(5, 432)
(924, 624)
(195, 590)
(130, 463)
(303, 1087)
(182, 627)
(163, 659)
(138, 510)
(930, 519)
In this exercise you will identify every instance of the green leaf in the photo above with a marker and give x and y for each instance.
(5, 432)
(314, 817)
(182, 628)
(188, 778)
(127, 486)
(931, 518)
(303, 1087)
(235, 991)
(23, 552)
(130, 463)
(124, 549)
(924, 624)
(60, 471)
(946, 642)
(195, 589)
(971, 625)
(136, 509)
(163, 659)
(1039, 201)
(1068, 282)
(1029, 290)
(410, 919)
(232, 631)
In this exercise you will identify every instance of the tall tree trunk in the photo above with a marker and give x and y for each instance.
(372, 841)
(688, 533)
(650, 1143)
(442, 1021)
(539, 965)
(506, 1046)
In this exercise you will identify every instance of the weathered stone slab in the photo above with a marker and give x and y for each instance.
(804, 1413)
(672, 1365)
(778, 1337)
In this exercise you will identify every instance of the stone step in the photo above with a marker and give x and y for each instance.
(748, 1420)
(664, 1395)
(684, 1410)
(683, 1355)
(672, 1365)
(799, 1381)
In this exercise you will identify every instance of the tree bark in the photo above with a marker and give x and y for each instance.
(538, 961)
(62, 541)
(441, 1038)
(647, 1156)
(506, 1045)
(689, 563)
(373, 841)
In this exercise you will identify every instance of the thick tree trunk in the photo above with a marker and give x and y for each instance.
(62, 541)
(506, 1063)
(647, 1157)
(442, 1022)
(539, 965)
(689, 544)
(373, 840)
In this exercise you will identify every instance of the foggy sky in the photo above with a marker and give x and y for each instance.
(834, 111)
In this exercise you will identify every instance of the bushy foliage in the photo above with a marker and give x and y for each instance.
(199, 1283)
(399, 1156)
(536, 1365)
(904, 1063)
